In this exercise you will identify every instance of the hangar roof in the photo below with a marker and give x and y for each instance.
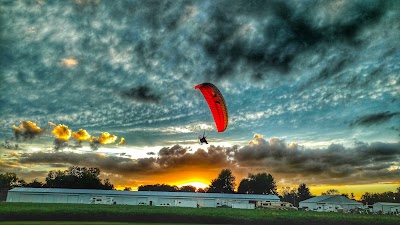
(388, 203)
(331, 199)
(145, 193)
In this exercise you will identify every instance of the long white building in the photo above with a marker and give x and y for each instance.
(61, 195)
(320, 203)
(386, 207)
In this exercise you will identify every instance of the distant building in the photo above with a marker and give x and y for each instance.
(386, 207)
(329, 203)
(275, 205)
(395, 210)
(156, 198)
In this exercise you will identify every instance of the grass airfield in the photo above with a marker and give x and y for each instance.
(83, 223)
(24, 213)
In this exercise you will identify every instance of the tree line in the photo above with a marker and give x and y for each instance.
(75, 177)
(260, 183)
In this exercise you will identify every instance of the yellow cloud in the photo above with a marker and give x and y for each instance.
(81, 135)
(122, 141)
(70, 62)
(107, 138)
(62, 132)
(258, 136)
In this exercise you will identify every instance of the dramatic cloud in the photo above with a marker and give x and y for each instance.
(27, 130)
(60, 144)
(142, 94)
(169, 159)
(177, 157)
(270, 36)
(110, 164)
(333, 165)
(374, 119)
(62, 132)
(10, 145)
(105, 138)
(364, 163)
(81, 135)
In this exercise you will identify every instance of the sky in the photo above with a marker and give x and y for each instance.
(311, 88)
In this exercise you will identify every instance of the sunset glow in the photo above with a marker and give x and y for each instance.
(196, 184)
(357, 190)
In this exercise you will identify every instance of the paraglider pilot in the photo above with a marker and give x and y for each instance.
(203, 139)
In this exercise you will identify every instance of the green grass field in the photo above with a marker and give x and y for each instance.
(83, 223)
(172, 215)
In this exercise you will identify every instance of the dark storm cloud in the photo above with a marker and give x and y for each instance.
(60, 144)
(333, 165)
(94, 144)
(169, 159)
(178, 157)
(366, 161)
(27, 130)
(374, 119)
(176, 150)
(397, 129)
(111, 164)
(142, 94)
(286, 31)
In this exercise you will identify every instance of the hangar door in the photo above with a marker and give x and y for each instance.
(209, 202)
(72, 198)
(31, 198)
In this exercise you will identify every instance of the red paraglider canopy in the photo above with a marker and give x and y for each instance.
(216, 103)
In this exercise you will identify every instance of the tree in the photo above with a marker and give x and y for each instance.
(10, 180)
(331, 192)
(187, 188)
(261, 183)
(388, 196)
(345, 195)
(77, 177)
(289, 195)
(127, 189)
(352, 195)
(158, 187)
(244, 186)
(225, 183)
(108, 185)
(35, 184)
(201, 190)
(303, 192)
(295, 195)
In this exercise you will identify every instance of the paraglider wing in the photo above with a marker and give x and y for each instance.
(216, 103)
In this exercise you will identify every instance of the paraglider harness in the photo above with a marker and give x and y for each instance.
(203, 139)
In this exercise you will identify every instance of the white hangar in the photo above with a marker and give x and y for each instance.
(320, 203)
(84, 196)
(386, 207)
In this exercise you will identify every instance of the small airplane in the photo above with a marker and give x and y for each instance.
(202, 139)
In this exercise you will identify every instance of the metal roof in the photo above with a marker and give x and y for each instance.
(316, 199)
(331, 199)
(144, 193)
(388, 203)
